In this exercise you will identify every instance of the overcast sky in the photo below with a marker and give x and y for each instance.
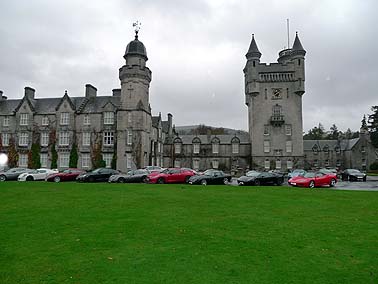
(196, 52)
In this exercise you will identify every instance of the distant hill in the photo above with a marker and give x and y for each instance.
(202, 129)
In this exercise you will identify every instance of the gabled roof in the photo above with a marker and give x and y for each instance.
(30, 102)
(66, 97)
(206, 139)
(345, 144)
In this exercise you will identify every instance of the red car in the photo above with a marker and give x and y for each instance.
(173, 175)
(312, 179)
(66, 175)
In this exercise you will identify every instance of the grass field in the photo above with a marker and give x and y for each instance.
(119, 233)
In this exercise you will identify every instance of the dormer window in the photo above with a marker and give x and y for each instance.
(326, 149)
(215, 145)
(315, 149)
(178, 143)
(6, 121)
(24, 119)
(87, 120)
(235, 142)
(196, 145)
(64, 118)
(109, 117)
(45, 120)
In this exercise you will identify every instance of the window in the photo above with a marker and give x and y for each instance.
(64, 160)
(326, 163)
(129, 137)
(159, 147)
(108, 117)
(289, 146)
(267, 164)
(338, 163)
(85, 160)
(24, 119)
(44, 139)
(177, 148)
(196, 148)
(266, 130)
(363, 149)
(315, 163)
(43, 159)
(288, 130)
(86, 120)
(64, 138)
(23, 139)
(338, 149)
(108, 159)
(177, 163)
(108, 138)
(129, 117)
(277, 109)
(128, 160)
(86, 141)
(326, 148)
(23, 160)
(5, 139)
(215, 148)
(64, 118)
(278, 164)
(289, 164)
(215, 164)
(235, 147)
(363, 162)
(6, 121)
(266, 146)
(315, 149)
(45, 120)
(196, 164)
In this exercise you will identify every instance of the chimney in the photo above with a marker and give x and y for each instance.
(116, 92)
(2, 98)
(169, 125)
(90, 91)
(29, 92)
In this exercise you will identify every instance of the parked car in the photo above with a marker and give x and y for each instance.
(100, 174)
(39, 174)
(353, 175)
(66, 175)
(153, 169)
(314, 179)
(261, 178)
(131, 176)
(171, 175)
(296, 172)
(211, 177)
(13, 173)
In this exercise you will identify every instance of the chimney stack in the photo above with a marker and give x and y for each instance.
(116, 92)
(170, 125)
(29, 92)
(90, 91)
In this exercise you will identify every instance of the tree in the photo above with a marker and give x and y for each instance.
(54, 157)
(114, 161)
(34, 157)
(74, 157)
(373, 126)
(334, 133)
(12, 153)
(363, 123)
(96, 155)
(316, 133)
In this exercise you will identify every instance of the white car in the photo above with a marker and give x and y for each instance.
(39, 174)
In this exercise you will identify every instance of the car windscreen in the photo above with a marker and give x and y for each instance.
(253, 174)
(309, 175)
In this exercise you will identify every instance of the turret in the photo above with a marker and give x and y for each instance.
(250, 71)
(297, 57)
(253, 51)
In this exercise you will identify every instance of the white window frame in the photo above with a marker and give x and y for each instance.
(23, 160)
(64, 160)
(235, 148)
(44, 139)
(196, 163)
(215, 163)
(6, 121)
(196, 148)
(128, 160)
(288, 130)
(107, 157)
(45, 120)
(267, 164)
(215, 148)
(178, 148)
(266, 146)
(85, 159)
(108, 117)
(108, 138)
(129, 137)
(23, 139)
(43, 159)
(177, 163)
(289, 164)
(64, 138)
(289, 146)
(64, 118)
(86, 139)
(278, 164)
(266, 130)
(86, 119)
(5, 139)
(24, 119)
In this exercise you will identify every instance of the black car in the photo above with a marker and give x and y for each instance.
(13, 174)
(100, 174)
(258, 178)
(131, 176)
(211, 177)
(353, 175)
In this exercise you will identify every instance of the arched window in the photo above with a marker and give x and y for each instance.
(326, 149)
(315, 149)
(196, 145)
(178, 145)
(277, 110)
(215, 145)
(235, 143)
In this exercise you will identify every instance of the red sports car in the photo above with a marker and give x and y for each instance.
(312, 180)
(66, 175)
(173, 175)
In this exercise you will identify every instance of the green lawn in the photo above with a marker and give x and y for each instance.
(120, 233)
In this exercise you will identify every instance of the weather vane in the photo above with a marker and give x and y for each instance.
(136, 26)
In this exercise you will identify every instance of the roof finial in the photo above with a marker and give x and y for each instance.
(136, 26)
(65, 92)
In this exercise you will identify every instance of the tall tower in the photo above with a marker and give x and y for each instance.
(273, 94)
(134, 122)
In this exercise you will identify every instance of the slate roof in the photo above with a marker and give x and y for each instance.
(155, 121)
(206, 139)
(345, 144)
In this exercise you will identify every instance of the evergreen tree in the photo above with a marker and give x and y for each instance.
(34, 157)
(334, 132)
(74, 157)
(316, 133)
(363, 123)
(54, 157)
(12, 154)
(96, 155)
(373, 126)
(114, 161)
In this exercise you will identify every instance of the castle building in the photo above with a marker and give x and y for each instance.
(121, 127)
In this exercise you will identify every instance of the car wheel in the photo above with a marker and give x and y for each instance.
(56, 179)
(203, 182)
(144, 179)
(187, 179)
(29, 178)
(311, 184)
(160, 180)
(364, 179)
(279, 181)
(225, 181)
(121, 180)
(332, 183)
(3, 178)
(257, 182)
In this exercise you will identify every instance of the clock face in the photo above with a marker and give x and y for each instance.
(277, 93)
